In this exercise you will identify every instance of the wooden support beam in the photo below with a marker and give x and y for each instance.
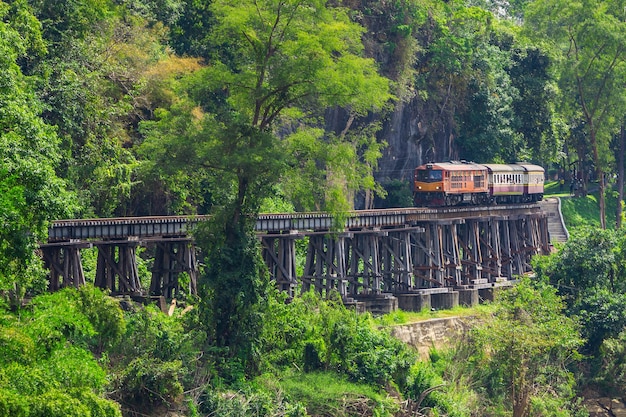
(116, 259)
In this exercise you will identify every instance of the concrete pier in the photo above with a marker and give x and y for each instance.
(414, 302)
(445, 300)
(468, 297)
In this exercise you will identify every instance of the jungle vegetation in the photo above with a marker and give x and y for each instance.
(128, 107)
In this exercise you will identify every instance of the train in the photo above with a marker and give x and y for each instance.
(467, 183)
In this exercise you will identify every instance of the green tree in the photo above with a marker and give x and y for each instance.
(590, 38)
(30, 191)
(590, 272)
(275, 65)
(523, 352)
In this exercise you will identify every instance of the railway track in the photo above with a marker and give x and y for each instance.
(121, 227)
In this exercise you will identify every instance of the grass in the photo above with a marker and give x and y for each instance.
(581, 213)
(399, 317)
(327, 394)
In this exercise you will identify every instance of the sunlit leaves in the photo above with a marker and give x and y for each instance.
(44, 360)
(525, 349)
(30, 192)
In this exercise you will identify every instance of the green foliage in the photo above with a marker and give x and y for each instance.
(602, 315)
(426, 387)
(523, 353)
(324, 393)
(13, 405)
(587, 38)
(612, 376)
(588, 260)
(150, 382)
(313, 334)
(155, 359)
(45, 368)
(365, 355)
(234, 289)
(256, 401)
(85, 317)
(590, 271)
(397, 194)
(581, 213)
(30, 192)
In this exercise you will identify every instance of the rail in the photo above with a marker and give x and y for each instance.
(149, 226)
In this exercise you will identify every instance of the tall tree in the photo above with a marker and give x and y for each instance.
(30, 191)
(590, 37)
(275, 66)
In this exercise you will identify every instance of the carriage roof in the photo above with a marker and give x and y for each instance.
(453, 166)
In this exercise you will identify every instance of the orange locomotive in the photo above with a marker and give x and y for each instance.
(450, 183)
(453, 183)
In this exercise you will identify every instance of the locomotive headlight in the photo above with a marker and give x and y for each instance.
(419, 187)
(437, 188)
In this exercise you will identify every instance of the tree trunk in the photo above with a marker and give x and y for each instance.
(620, 179)
(599, 174)
(602, 199)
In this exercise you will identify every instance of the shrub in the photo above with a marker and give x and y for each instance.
(315, 334)
(13, 405)
(150, 382)
(56, 403)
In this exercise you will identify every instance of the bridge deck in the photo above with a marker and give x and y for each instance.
(404, 252)
(143, 227)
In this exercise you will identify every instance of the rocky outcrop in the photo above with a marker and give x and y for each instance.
(605, 407)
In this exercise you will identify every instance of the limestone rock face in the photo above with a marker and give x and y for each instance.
(605, 407)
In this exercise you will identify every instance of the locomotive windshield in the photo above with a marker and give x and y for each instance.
(429, 175)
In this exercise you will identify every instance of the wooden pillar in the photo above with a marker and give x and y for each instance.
(279, 253)
(172, 257)
(123, 267)
(64, 263)
(507, 256)
(428, 259)
(451, 254)
(325, 265)
(516, 246)
(396, 261)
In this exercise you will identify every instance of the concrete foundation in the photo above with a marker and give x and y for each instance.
(445, 300)
(379, 304)
(486, 294)
(414, 302)
(468, 297)
(358, 307)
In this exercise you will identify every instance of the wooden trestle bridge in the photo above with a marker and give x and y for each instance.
(379, 253)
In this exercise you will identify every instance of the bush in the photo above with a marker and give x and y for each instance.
(56, 403)
(314, 334)
(150, 382)
(149, 364)
(13, 405)
(45, 367)
(612, 376)
(426, 388)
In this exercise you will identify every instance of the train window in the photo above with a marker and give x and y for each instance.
(429, 175)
